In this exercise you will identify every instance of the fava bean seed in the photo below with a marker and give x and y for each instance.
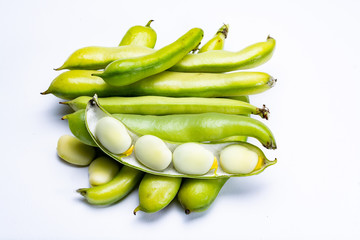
(75, 152)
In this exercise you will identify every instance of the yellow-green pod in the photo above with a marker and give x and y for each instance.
(96, 57)
(224, 61)
(156, 192)
(119, 187)
(196, 195)
(140, 36)
(217, 42)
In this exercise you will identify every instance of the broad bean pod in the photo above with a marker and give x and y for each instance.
(119, 187)
(223, 61)
(196, 195)
(75, 83)
(140, 36)
(126, 71)
(95, 116)
(156, 192)
(217, 42)
(96, 57)
(155, 105)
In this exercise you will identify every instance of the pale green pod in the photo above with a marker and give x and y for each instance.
(157, 105)
(75, 83)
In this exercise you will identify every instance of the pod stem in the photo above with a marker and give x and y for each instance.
(82, 191)
(67, 102)
(138, 208)
(272, 82)
(59, 68)
(148, 24)
(45, 92)
(224, 30)
(263, 112)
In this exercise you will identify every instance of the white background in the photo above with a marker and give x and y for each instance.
(312, 193)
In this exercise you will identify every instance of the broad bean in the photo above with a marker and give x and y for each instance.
(74, 151)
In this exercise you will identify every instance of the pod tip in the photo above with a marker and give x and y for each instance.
(45, 92)
(264, 112)
(272, 82)
(58, 69)
(82, 191)
(64, 117)
(187, 211)
(64, 103)
(138, 208)
(269, 37)
(148, 24)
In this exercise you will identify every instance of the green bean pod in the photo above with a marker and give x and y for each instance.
(156, 192)
(223, 61)
(126, 71)
(96, 57)
(140, 36)
(119, 187)
(155, 105)
(196, 195)
(200, 127)
(75, 83)
(217, 42)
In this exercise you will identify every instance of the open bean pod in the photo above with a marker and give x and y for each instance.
(95, 113)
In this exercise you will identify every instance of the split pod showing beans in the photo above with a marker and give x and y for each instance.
(194, 160)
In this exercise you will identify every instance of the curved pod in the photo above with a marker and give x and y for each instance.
(224, 61)
(126, 71)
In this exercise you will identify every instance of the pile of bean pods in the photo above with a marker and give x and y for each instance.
(172, 122)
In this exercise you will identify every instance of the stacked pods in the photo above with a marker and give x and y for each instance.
(195, 100)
